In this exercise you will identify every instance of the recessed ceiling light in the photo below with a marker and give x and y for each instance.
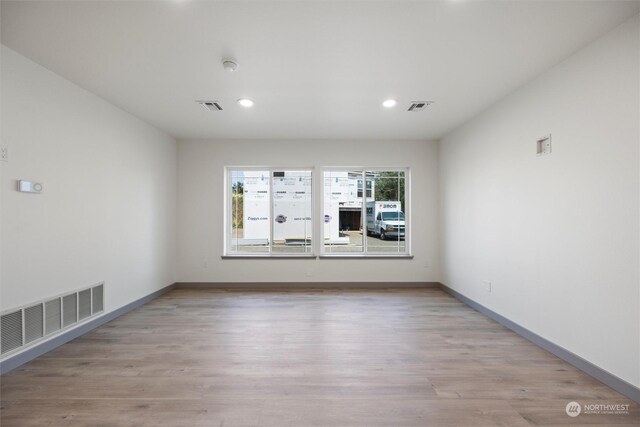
(245, 102)
(388, 103)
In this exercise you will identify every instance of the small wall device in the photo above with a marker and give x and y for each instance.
(29, 187)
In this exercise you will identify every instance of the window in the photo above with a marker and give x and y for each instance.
(269, 211)
(368, 188)
(375, 225)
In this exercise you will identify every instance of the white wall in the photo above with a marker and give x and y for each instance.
(108, 207)
(558, 236)
(201, 209)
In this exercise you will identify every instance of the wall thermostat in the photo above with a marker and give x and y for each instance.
(29, 187)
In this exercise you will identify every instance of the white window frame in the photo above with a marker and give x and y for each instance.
(228, 217)
(407, 211)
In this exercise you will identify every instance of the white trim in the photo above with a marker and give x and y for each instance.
(363, 210)
(271, 217)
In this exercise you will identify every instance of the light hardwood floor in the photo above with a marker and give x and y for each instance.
(197, 357)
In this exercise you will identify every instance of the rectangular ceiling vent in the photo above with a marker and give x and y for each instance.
(22, 326)
(419, 105)
(210, 105)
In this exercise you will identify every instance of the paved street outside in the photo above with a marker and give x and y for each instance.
(374, 244)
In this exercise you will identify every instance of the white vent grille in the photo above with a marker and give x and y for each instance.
(210, 105)
(33, 323)
(69, 309)
(26, 325)
(84, 304)
(11, 330)
(419, 105)
(53, 316)
(98, 298)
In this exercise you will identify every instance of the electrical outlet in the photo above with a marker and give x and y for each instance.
(4, 154)
(487, 285)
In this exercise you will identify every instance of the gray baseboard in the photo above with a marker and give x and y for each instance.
(45, 346)
(305, 286)
(618, 384)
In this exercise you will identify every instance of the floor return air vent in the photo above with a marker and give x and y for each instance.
(20, 327)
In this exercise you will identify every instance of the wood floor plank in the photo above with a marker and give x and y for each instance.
(339, 358)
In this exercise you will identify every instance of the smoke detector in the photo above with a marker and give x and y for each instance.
(229, 65)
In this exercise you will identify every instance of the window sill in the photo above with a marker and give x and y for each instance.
(269, 256)
(324, 256)
(365, 256)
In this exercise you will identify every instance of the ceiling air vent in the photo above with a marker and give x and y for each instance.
(419, 105)
(210, 105)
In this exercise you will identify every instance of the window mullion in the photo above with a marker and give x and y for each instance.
(228, 218)
(363, 214)
(230, 210)
(271, 218)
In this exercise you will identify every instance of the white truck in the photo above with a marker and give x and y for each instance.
(385, 219)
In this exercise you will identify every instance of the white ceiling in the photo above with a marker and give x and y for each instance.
(315, 69)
